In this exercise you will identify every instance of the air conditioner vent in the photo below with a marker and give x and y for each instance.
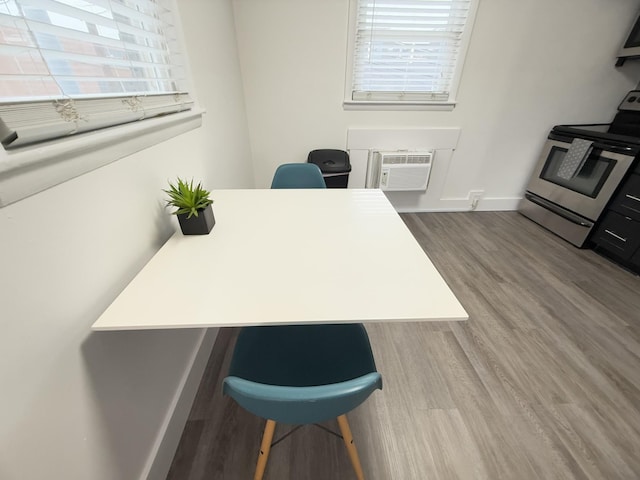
(400, 170)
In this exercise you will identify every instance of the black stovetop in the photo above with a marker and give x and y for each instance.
(623, 131)
(600, 132)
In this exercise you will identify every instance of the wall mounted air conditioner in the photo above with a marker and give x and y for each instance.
(400, 170)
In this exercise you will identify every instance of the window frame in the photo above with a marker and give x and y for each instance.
(350, 104)
(32, 169)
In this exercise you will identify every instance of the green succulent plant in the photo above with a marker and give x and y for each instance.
(186, 198)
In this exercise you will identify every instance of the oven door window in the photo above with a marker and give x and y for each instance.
(588, 180)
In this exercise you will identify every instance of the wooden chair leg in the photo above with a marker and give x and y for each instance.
(265, 447)
(351, 447)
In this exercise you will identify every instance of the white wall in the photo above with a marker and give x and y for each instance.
(78, 405)
(531, 64)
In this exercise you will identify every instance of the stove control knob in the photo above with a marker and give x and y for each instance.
(631, 99)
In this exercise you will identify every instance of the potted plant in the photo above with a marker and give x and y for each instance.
(193, 207)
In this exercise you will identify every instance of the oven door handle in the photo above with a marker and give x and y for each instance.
(573, 218)
(619, 149)
(613, 148)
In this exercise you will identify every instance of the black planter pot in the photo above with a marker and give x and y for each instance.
(200, 225)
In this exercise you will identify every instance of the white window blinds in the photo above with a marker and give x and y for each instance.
(69, 66)
(407, 50)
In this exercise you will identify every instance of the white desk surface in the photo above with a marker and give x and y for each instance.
(288, 257)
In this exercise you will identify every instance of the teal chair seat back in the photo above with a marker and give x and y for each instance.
(302, 374)
(298, 175)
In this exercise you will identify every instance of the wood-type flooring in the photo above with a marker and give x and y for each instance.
(542, 382)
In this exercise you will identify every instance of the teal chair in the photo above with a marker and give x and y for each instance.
(302, 374)
(298, 175)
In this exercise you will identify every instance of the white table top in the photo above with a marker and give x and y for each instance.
(288, 257)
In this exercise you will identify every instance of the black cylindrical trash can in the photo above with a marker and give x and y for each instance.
(334, 165)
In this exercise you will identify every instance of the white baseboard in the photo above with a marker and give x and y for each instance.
(170, 433)
(462, 205)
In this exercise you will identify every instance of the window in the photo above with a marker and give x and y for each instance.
(72, 66)
(407, 52)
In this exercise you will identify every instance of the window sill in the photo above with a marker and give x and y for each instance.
(380, 106)
(32, 169)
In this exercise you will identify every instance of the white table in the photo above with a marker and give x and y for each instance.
(288, 257)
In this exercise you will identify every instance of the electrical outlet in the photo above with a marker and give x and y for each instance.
(474, 198)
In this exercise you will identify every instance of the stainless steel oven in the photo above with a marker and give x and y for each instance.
(578, 172)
